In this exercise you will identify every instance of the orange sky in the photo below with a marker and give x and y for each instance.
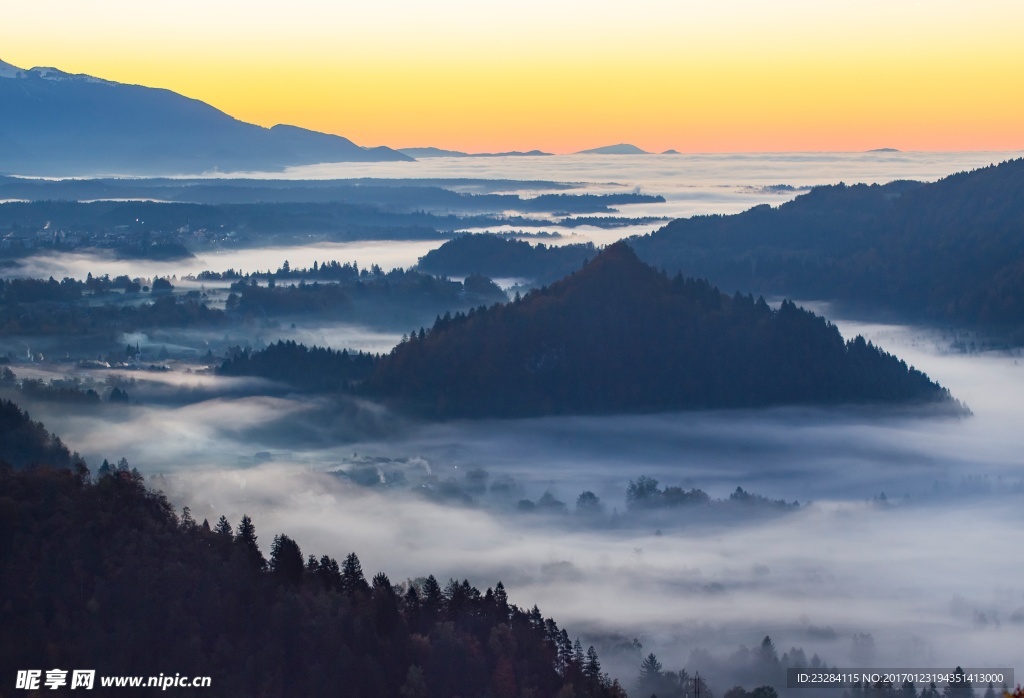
(734, 75)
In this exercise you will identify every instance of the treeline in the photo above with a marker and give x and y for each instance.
(70, 318)
(129, 588)
(609, 221)
(412, 284)
(314, 369)
(332, 270)
(413, 192)
(619, 336)
(394, 299)
(395, 195)
(501, 257)
(69, 290)
(101, 305)
(642, 495)
(402, 290)
(24, 443)
(411, 213)
(67, 391)
(36, 290)
(949, 252)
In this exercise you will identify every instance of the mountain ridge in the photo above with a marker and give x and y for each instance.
(432, 152)
(949, 251)
(59, 124)
(617, 149)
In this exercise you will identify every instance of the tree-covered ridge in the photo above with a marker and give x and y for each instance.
(130, 588)
(24, 442)
(620, 336)
(231, 197)
(355, 293)
(950, 251)
(495, 256)
(225, 215)
(314, 369)
(399, 298)
(69, 318)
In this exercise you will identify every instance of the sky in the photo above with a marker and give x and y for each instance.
(564, 75)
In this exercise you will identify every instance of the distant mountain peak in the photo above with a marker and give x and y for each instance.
(618, 149)
(9, 71)
(55, 123)
(46, 73)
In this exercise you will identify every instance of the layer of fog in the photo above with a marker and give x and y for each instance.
(388, 254)
(933, 576)
(728, 182)
(311, 331)
(692, 185)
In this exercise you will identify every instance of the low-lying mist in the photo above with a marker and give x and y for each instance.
(926, 575)
(387, 253)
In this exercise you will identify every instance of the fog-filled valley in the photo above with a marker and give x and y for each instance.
(893, 508)
(864, 534)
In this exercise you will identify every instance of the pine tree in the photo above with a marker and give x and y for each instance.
(501, 599)
(246, 537)
(433, 597)
(592, 668)
(352, 579)
(286, 560)
(411, 599)
(649, 679)
(223, 527)
(329, 573)
(565, 656)
(187, 522)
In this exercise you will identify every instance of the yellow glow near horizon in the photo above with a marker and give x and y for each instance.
(735, 75)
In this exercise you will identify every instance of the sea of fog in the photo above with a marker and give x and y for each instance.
(932, 575)
(928, 575)
(692, 184)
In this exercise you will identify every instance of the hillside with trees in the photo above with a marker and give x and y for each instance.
(495, 256)
(397, 298)
(619, 336)
(946, 252)
(130, 588)
(313, 369)
(24, 442)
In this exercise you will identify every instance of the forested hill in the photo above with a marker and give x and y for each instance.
(950, 252)
(24, 442)
(493, 256)
(101, 574)
(620, 336)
